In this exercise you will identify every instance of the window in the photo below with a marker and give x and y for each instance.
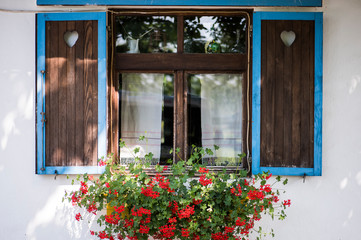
(181, 80)
(287, 93)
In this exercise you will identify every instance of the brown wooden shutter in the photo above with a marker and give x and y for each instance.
(71, 94)
(287, 95)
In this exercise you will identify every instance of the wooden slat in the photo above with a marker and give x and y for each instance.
(79, 97)
(287, 95)
(269, 89)
(88, 93)
(52, 94)
(62, 95)
(278, 91)
(305, 96)
(70, 100)
(173, 61)
(296, 95)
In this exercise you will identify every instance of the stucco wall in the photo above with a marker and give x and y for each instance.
(326, 207)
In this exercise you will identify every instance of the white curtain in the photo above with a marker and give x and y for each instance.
(141, 114)
(221, 115)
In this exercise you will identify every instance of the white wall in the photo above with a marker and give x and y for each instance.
(326, 207)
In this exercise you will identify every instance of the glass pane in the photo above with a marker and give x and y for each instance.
(215, 34)
(215, 116)
(146, 109)
(146, 34)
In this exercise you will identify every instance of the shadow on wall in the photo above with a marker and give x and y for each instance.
(56, 219)
(17, 104)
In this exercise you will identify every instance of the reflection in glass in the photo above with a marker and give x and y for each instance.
(215, 34)
(146, 34)
(215, 116)
(146, 109)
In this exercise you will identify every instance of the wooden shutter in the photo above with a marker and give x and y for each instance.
(287, 94)
(287, 80)
(71, 93)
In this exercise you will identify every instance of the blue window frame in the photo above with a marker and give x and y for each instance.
(256, 94)
(42, 18)
(268, 3)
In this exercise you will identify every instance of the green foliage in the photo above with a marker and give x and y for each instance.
(184, 201)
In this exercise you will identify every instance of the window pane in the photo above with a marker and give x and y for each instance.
(146, 34)
(146, 109)
(215, 116)
(215, 34)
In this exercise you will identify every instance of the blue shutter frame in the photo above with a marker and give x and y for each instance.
(40, 86)
(256, 93)
(268, 3)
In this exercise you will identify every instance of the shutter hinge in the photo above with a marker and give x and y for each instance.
(43, 118)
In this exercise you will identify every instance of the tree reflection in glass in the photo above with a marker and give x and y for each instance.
(146, 34)
(224, 34)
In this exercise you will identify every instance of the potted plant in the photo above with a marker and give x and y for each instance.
(182, 201)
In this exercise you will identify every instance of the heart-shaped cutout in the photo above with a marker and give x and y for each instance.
(288, 37)
(71, 37)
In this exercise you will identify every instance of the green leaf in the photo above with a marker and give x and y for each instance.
(121, 143)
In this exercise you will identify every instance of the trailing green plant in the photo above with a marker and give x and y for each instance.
(182, 201)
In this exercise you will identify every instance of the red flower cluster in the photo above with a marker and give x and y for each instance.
(239, 223)
(167, 230)
(144, 229)
(204, 181)
(219, 236)
(239, 191)
(75, 199)
(147, 220)
(107, 185)
(119, 209)
(196, 237)
(228, 229)
(186, 212)
(185, 232)
(128, 223)
(163, 183)
(148, 192)
(255, 194)
(172, 220)
(287, 202)
(196, 202)
(140, 212)
(92, 208)
(83, 187)
(104, 235)
(175, 206)
(267, 177)
(102, 163)
(112, 219)
(78, 217)
(203, 170)
(267, 188)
